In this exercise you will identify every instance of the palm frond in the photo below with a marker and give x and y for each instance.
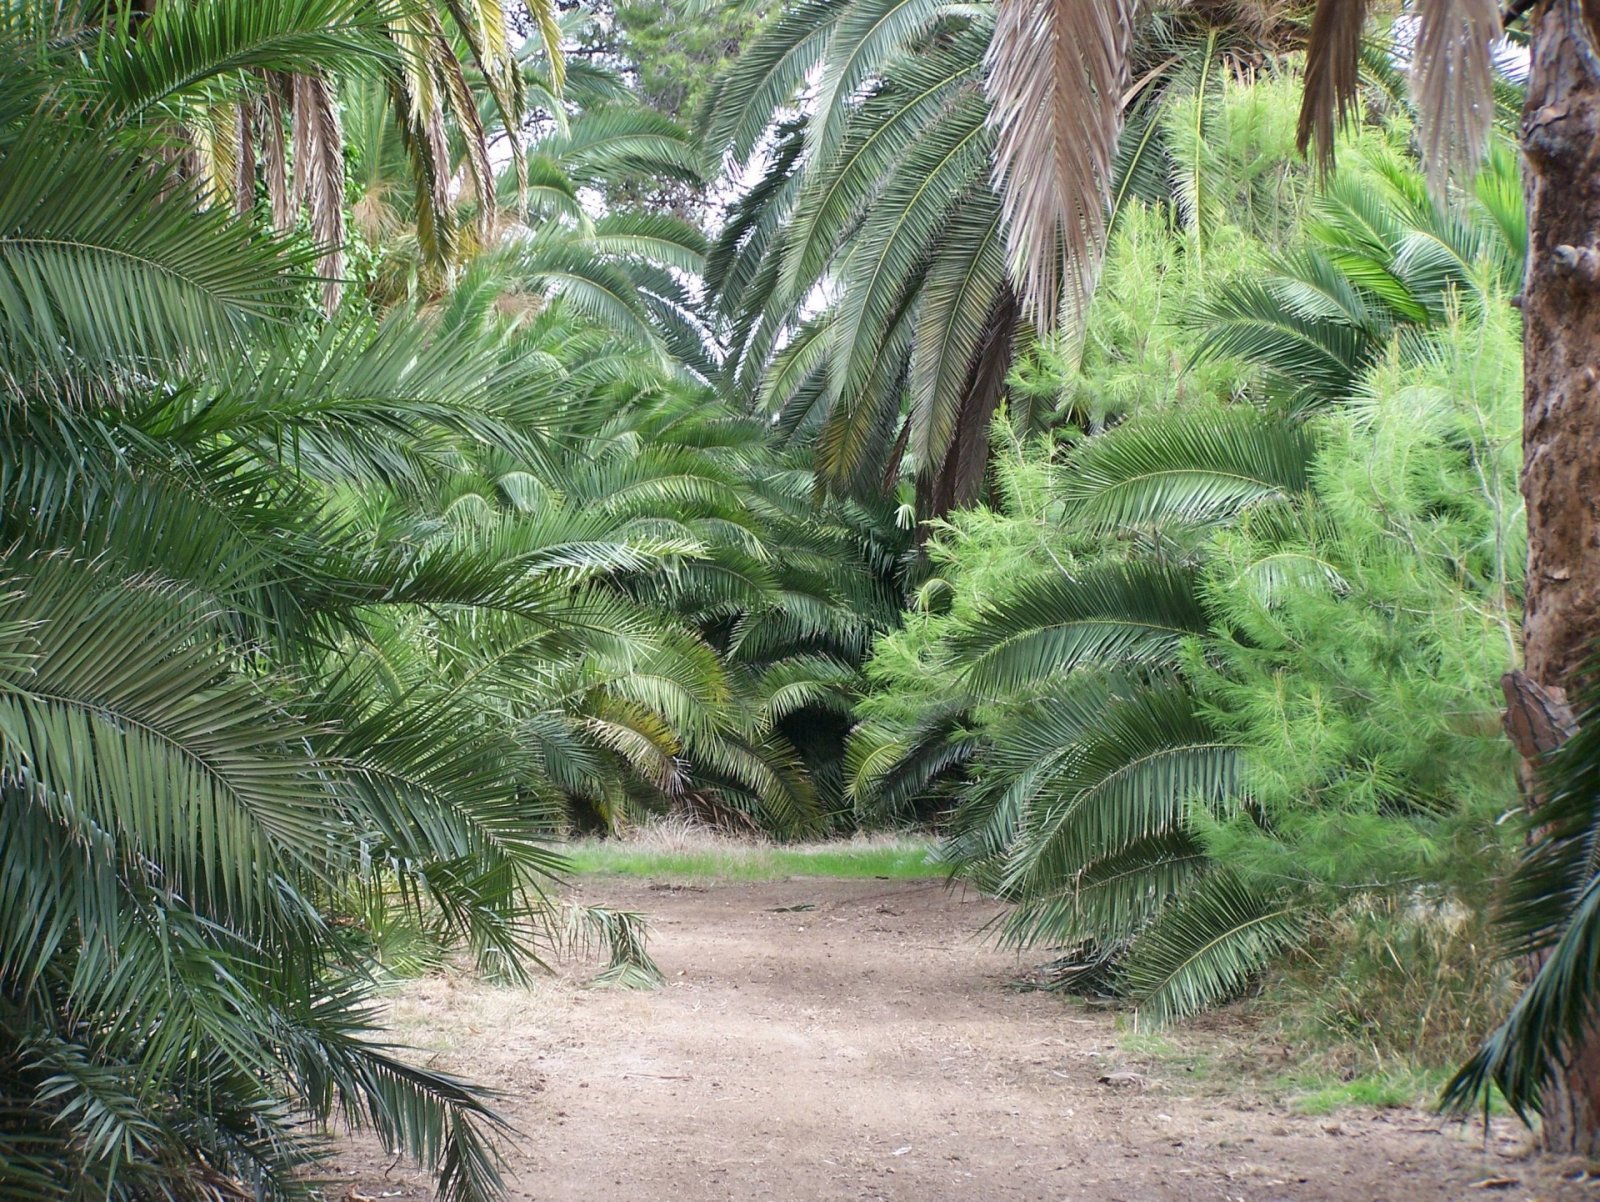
(1133, 614)
(177, 760)
(1198, 467)
(1121, 776)
(1207, 946)
(122, 275)
(868, 34)
(178, 49)
(766, 76)
(1452, 76)
(1333, 57)
(1308, 356)
(1551, 911)
(621, 934)
(952, 319)
(1057, 71)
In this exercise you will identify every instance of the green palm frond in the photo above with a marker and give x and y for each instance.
(1134, 614)
(179, 47)
(1207, 946)
(767, 75)
(608, 142)
(953, 314)
(867, 35)
(1198, 467)
(1307, 355)
(895, 241)
(154, 742)
(1121, 776)
(122, 276)
(797, 372)
(586, 280)
(1111, 898)
(806, 682)
(889, 123)
(546, 190)
(1551, 911)
(762, 777)
(754, 227)
(654, 237)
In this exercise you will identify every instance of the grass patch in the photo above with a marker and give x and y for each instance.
(1408, 1087)
(1188, 1060)
(1418, 1087)
(701, 858)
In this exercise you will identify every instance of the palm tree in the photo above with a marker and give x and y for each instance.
(183, 806)
(750, 607)
(1145, 740)
(234, 718)
(1079, 802)
(625, 269)
(863, 279)
(248, 97)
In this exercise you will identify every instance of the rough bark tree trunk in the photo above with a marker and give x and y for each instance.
(959, 480)
(1561, 415)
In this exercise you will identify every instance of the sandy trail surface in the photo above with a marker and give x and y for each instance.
(867, 1046)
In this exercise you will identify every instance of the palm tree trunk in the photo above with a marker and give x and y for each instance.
(960, 477)
(1561, 424)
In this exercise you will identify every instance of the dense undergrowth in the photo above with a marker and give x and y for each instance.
(1246, 680)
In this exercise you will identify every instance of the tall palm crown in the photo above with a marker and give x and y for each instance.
(874, 282)
(246, 98)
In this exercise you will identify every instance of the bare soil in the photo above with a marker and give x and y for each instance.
(871, 1047)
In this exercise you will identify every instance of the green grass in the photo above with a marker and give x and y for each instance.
(1196, 1064)
(1419, 1087)
(1384, 1091)
(1309, 1087)
(731, 860)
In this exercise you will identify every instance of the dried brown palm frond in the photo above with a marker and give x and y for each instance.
(319, 172)
(244, 187)
(231, 119)
(480, 173)
(1452, 79)
(423, 111)
(485, 27)
(214, 139)
(1333, 58)
(1452, 83)
(1057, 71)
(274, 151)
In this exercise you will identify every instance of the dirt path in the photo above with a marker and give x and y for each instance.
(868, 1048)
